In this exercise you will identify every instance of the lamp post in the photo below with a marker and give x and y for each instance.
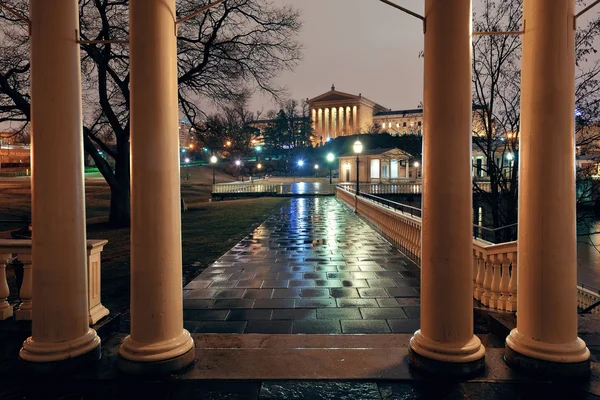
(357, 147)
(187, 164)
(238, 163)
(510, 157)
(257, 149)
(316, 170)
(330, 158)
(213, 161)
(300, 164)
(259, 167)
(416, 164)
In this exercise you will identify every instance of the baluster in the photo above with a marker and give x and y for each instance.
(24, 310)
(511, 304)
(504, 282)
(6, 310)
(474, 273)
(487, 281)
(479, 290)
(495, 288)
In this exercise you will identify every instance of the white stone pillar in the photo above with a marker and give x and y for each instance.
(158, 342)
(341, 126)
(60, 330)
(355, 126)
(348, 125)
(545, 339)
(326, 122)
(445, 344)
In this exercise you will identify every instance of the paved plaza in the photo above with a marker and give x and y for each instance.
(313, 267)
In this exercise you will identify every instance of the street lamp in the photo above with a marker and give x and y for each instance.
(416, 164)
(213, 161)
(357, 147)
(510, 157)
(239, 163)
(258, 149)
(316, 170)
(187, 174)
(259, 167)
(330, 158)
(300, 165)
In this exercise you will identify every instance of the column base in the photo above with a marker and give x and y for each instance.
(62, 356)
(156, 358)
(157, 367)
(446, 359)
(97, 313)
(548, 360)
(6, 313)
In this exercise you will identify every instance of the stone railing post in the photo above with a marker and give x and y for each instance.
(96, 310)
(480, 275)
(504, 283)
(6, 310)
(495, 287)
(475, 271)
(511, 303)
(23, 313)
(487, 281)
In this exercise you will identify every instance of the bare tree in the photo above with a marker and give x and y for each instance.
(496, 92)
(224, 54)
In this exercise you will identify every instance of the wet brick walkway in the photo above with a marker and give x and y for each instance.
(313, 267)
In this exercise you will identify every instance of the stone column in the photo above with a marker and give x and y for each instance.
(545, 340)
(341, 127)
(326, 122)
(348, 126)
(157, 343)
(355, 126)
(60, 330)
(445, 344)
(320, 123)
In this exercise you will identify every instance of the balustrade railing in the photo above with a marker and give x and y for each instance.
(587, 297)
(21, 250)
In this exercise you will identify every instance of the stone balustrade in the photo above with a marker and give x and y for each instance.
(22, 250)
(587, 297)
(495, 274)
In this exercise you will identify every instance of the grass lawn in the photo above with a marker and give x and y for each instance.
(209, 229)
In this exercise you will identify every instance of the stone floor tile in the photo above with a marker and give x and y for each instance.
(221, 327)
(387, 274)
(413, 312)
(338, 313)
(233, 303)
(357, 283)
(404, 325)
(365, 326)
(315, 275)
(382, 283)
(388, 302)
(402, 292)
(197, 304)
(339, 275)
(274, 283)
(198, 284)
(383, 313)
(250, 283)
(223, 284)
(408, 282)
(270, 327)
(294, 314)
(258, 293)
(315, 303)
(247, 315)
(343, 292)
(329, 283)
(441, 390)
(408, 301)
(374, 292)
(205, 315)
(345, 302)
(274, 303)
(327, 327)
(364, 275)
(309, 292)
(286, 293)
(230, 294)
(202, 294)
(302, 284)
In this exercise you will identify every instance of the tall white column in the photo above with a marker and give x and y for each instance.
(348, 126)
(60, 330)
(545, 339)
(341, 126)
(326, 122)
(355, 126)
(158, 342)
(445, 344)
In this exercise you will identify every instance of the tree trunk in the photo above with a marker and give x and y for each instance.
(119, 193)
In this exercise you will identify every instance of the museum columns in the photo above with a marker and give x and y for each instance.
(157, 342)
(445, 344)
(545, 339)
(60, 329)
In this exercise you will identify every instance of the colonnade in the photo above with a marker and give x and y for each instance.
(546, 335)
(331, 122)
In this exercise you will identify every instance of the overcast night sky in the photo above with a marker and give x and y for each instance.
(361, 46)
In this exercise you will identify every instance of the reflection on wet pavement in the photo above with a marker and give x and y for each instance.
(313, 267)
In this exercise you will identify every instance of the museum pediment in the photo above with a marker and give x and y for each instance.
(334, 96)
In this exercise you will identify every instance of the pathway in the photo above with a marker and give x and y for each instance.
(313, 267)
